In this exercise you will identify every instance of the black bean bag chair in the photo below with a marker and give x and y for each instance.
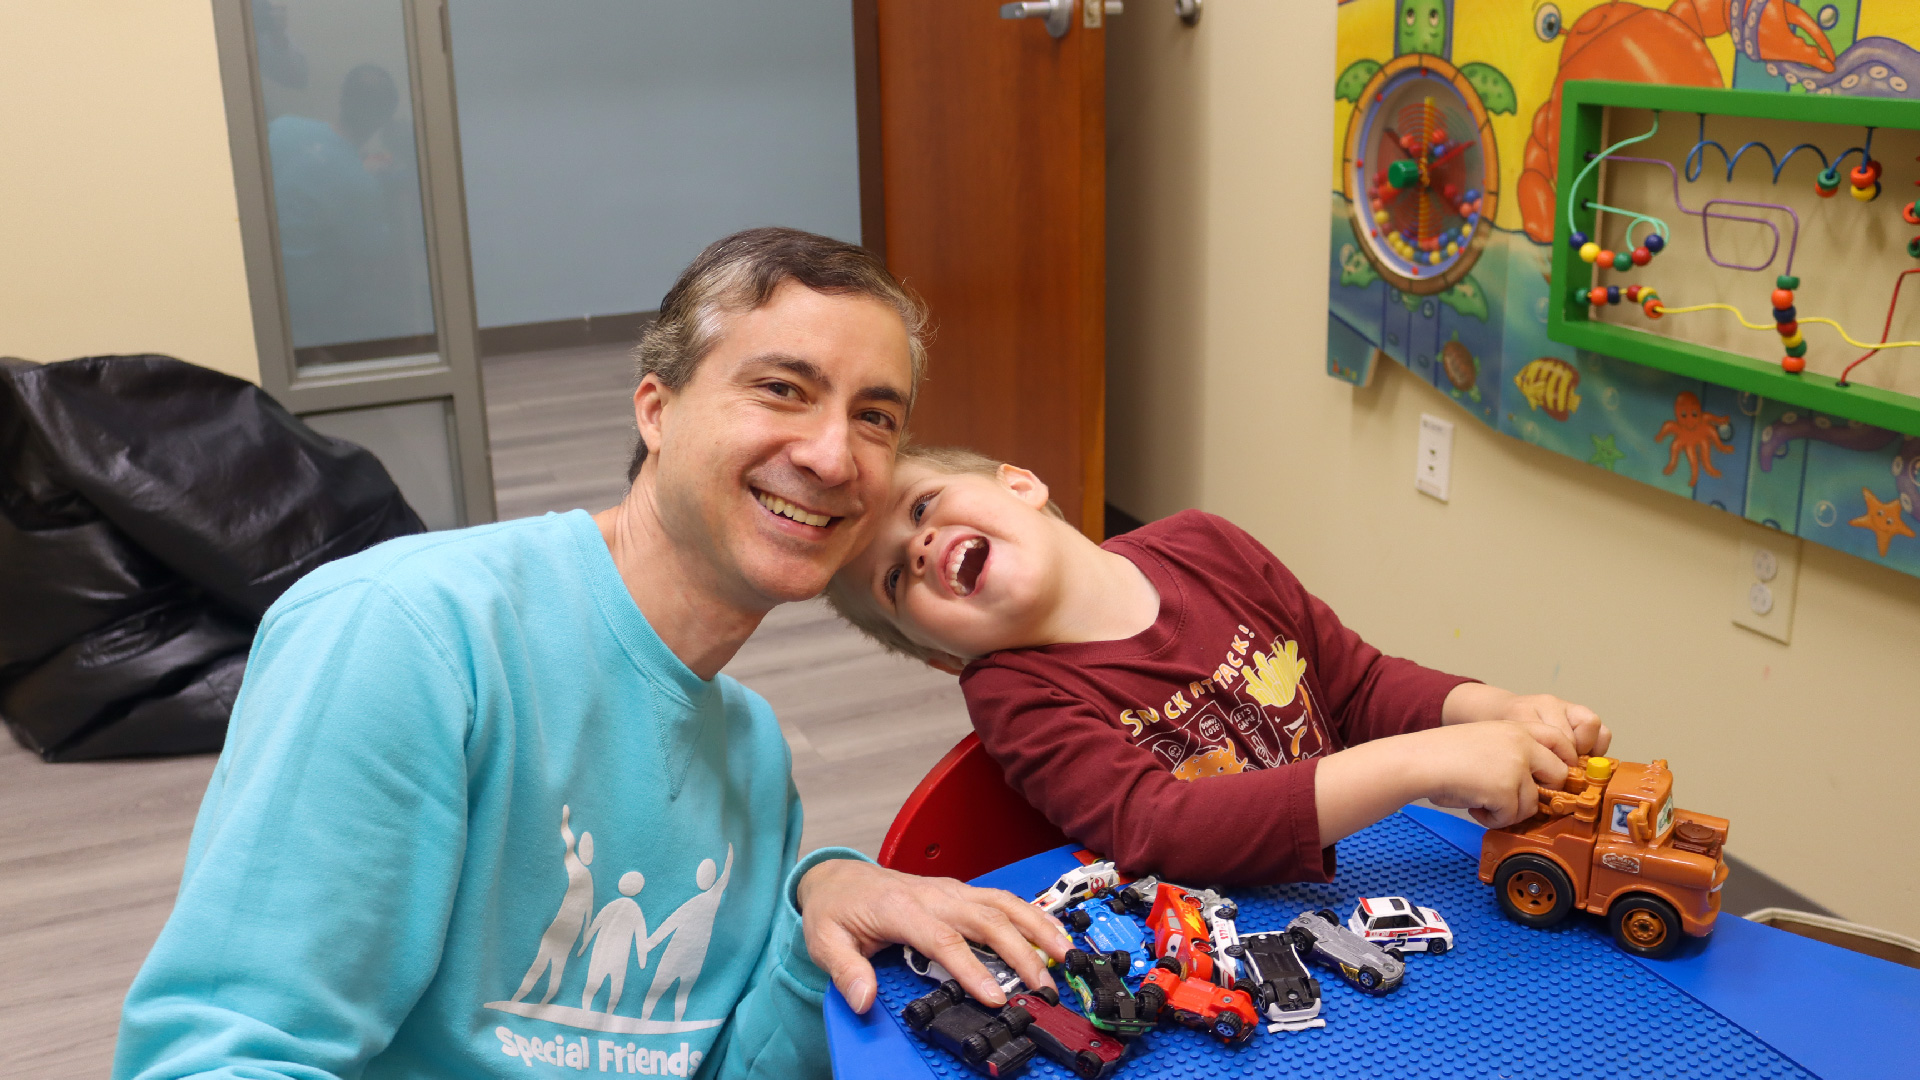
(150, 512)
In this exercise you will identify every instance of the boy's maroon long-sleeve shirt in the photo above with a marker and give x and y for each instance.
(1189, 750)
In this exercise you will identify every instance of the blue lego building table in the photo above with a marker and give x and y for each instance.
(1508, 1001)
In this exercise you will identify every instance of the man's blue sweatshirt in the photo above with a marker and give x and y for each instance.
(474, 818)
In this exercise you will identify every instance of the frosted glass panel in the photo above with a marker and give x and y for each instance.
(346, 178)
(605, 142)
(411, 441)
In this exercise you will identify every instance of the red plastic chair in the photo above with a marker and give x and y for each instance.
(963, 820)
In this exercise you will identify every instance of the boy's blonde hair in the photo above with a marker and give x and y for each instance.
(853, 604)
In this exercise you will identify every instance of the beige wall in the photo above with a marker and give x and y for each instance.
(1541, 574)
(118, 226)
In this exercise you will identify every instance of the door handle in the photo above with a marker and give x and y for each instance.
(1059, 13)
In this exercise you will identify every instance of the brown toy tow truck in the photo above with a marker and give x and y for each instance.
(1612, 844)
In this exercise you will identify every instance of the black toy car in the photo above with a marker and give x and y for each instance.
(1104, 997)
(1284, 991)
(994, 1043)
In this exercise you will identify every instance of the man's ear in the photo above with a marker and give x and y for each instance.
(946, 662)
(1029, 488)
(650, 400)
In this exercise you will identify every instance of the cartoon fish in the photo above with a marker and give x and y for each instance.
(1217, 761)
(1548, 383)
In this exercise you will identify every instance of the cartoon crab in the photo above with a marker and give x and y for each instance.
(1696, 433)
(1630, 43)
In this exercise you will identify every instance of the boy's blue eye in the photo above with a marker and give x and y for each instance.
(920, 507)
(892, 582)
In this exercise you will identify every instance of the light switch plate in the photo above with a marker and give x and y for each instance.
(1433, 468)
(1765, 575)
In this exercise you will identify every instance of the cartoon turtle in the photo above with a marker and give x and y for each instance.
(1462, 369)
(1421, 171)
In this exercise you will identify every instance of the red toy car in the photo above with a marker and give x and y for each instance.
(1197, 1003)
(1180, 931)
(1067, 1037)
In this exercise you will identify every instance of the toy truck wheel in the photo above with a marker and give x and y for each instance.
(1228, 1026)
(1533, 891)
(1120, 960)
(1086, 1063)
(974, 1049)
(1436, 946)
(918, 1014)
(1078, 921)
(1396, 954)
(1078, 963)
(1017, 1019)
(1169, 963)
(1117, 905)
(1645, 926)
(1047, 994)
(1367, 978)
(1151, 999)
(1247, 987)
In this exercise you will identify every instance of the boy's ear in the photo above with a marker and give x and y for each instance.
(1029, 488)
(946, 662)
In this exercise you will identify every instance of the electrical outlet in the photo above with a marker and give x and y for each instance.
(1433, 468)
(1768, 570)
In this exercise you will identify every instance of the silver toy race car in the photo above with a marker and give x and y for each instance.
(1320, 938)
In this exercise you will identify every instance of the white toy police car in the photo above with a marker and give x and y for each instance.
(1076, 885)
(1396, 925)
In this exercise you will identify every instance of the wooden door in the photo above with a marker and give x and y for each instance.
(992, 205)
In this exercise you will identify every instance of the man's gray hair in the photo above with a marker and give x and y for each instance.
(740, 273)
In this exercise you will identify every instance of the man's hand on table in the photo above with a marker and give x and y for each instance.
(852, 909)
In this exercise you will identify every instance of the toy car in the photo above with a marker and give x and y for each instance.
(1093, 879)
(1197, 1003)
(1109, 932)
(1220, 913)
(1067, 1037)
(1399, 927)
(1284, 991)
(993, 1043)
(1180, 932)
(1319, 937)
(1104, 996)
(1612, 844)
(1136, 898)
(921, 964)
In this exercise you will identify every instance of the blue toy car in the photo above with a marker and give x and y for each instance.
(1107, 931)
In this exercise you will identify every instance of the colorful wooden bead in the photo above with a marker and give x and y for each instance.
(1633, 294)
(1613, 294)
(1597, 295)
(1785, 314)
(1654, 243)
(1793, 365)
(1867, 194)
(1797, 350)
(1788, 329)
(1622, 260)
(1589, 251)
(1790, 340)
(1604, 258)
(1864, 174)
(1786, 281)
(1578, 240)
(1652, 308)
(1641, 256)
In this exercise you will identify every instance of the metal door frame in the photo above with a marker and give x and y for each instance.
(454, 374)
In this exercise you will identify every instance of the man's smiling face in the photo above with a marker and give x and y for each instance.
(775, 458)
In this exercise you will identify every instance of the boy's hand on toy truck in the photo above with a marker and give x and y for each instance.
(1492, 771)
(1570, 731)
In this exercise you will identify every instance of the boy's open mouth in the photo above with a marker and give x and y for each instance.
(965, 560)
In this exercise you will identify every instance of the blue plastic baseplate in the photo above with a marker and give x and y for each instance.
(1507, 1002)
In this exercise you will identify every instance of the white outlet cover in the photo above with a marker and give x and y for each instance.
(1433, 462)
(1765, 575)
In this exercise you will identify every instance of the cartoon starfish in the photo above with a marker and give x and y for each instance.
(1883, 520)
(1605, 453)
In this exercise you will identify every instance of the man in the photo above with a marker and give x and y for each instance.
(373, 879)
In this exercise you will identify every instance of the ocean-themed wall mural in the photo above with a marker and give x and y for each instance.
(1444, 206)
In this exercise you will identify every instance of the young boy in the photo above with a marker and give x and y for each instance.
(1175, 698)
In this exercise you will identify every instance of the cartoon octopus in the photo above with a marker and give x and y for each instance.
(1696, 433)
